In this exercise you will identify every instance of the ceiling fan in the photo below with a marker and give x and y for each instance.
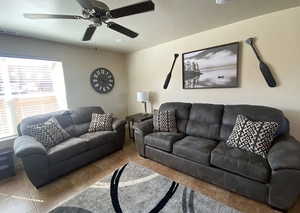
(99, 13)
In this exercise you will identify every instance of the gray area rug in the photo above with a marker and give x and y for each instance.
(135, 189)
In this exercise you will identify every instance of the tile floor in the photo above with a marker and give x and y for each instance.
(17, 195)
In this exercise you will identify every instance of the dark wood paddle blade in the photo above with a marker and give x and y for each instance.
(167, 81)
(265, 70)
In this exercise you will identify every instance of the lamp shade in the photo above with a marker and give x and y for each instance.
(142, 96)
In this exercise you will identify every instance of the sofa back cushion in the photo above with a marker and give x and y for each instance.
(82, 118)
(63, 118)
(205, 121)
(255, 113)
(182, 111)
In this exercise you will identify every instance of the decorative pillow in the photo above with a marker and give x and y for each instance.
(253, 136)
(101, 122)
(49, 133)
(164, 121)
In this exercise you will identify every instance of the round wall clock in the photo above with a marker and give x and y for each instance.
(102, 80)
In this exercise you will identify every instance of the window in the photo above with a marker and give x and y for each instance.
(28, 87)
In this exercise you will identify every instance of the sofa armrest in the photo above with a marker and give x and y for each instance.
(26, 145)
(118, 123)
(284, 186)
(119, 127)
(140, 131)
(144, 128)
(285, 154)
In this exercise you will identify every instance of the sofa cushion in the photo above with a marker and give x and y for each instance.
(66, 150)
(101, 122)
(95, 139)
(255, 113)
(194, 148)
(48, 133)
(205, 121)
(163, 140)
(82, 118)
(182, 111)
(237, 161)
(164, 121)
(256, 137)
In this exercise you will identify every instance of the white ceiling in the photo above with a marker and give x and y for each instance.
(171, 19)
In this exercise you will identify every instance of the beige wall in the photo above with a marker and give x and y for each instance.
(278, 39)
(78, 63)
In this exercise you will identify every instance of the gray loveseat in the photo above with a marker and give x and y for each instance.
(42, 166)
(198, 149)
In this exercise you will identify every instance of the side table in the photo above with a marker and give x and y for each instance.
(136, 118)
(7, 167)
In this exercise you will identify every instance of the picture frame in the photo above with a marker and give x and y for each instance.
(213, 67)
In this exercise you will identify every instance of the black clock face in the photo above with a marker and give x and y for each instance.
(102, 80)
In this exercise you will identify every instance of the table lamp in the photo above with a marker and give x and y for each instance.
(143, 97)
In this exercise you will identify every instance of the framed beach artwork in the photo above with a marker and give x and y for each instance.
(214, 67)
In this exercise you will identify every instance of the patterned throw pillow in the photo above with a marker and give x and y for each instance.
(253, 136)
(101, 122)
(49, 133)
(164, 121)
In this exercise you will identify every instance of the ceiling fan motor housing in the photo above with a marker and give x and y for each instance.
(100, 5)
(100, 11)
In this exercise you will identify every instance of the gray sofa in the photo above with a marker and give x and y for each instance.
(43, 166)
(198, 149)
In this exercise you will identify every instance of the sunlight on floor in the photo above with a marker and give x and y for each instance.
(22, 198)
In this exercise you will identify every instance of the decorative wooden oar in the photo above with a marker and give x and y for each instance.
(167, 81)
(265, 70)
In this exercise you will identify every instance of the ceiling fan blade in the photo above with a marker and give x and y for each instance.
(89, 33)
(50, 16)
(85, 4)
(121, 29)
(141, 7)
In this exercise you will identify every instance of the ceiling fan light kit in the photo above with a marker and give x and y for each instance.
(99, 13)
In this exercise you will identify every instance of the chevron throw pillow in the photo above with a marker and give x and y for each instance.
(164, 121)
(101, 122)
(253, 136)
(49, 133)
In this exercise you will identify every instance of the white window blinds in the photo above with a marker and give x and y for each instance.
(28, 87)
(1, 84)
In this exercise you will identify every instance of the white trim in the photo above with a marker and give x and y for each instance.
(8, 138)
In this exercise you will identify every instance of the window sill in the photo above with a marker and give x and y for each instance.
(9, 138)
